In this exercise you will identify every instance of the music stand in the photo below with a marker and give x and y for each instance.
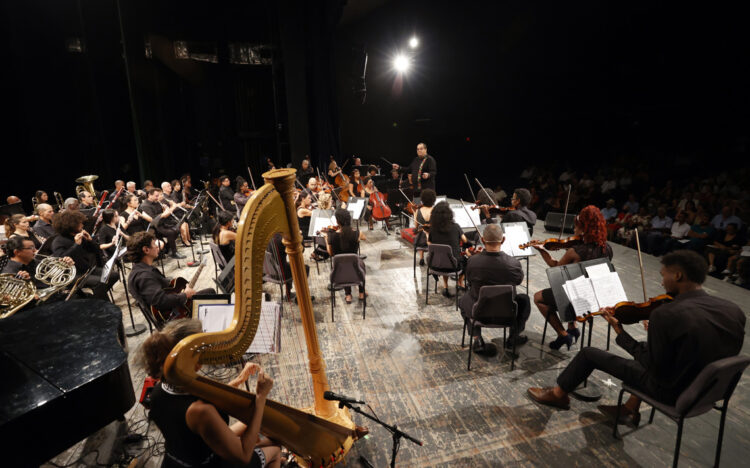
(516, 234)
(557, 277)
(320, 219)
(461, 217)
(12, 209)
(356, 207)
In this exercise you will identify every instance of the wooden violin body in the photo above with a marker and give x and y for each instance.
(493, 209)
(629, 312)
(329, 229)
(554, 243)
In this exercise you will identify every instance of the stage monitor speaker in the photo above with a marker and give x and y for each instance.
(554, 221)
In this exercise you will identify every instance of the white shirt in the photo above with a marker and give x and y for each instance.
(680, 230)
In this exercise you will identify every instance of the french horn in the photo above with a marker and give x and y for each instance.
(16, 293)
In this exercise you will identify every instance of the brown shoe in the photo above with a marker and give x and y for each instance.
(628, 418)
(547, 397)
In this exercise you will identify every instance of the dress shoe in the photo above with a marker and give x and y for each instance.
(421, 262)
(575, 332)
(547, 397)
(478, 346)
(628, 418)
(562, 340)
(178, 256)
(447, 293)
(518, 340)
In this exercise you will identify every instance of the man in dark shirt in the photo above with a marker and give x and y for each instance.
(521, 212)
(684, 336)
(43, 226)
(421, 171)
(162, 220)
(493, 267)
(22, 262)
(146, 283)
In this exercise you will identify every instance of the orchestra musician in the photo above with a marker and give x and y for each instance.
(107, 236)
(520, 212)
(346, 240)
(22, 261)
(422, 217)
(485, 199)
(243, 193)
(226, 195)
(684, 336)
(176, 194)
(493, 267)
(368, 190)
(18, 226)
(162, 220)
(169, 197)
(43, 226)
(224, 234)
(305, 171)
(86, 200)
(132, 220)
(422, 170)
(74, 242)
(592, 228)
(196, 433)
(356, 184)
(443, 230)
(146, 283)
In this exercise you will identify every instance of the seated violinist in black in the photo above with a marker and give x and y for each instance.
(684, 336)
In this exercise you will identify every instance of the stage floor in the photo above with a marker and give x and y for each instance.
(405, 359)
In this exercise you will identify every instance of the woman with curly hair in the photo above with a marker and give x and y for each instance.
(592, 227)
(443, 230)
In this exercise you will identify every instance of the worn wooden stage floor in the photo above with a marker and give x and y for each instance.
(405, 359)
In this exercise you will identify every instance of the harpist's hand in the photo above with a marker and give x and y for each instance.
(265, 384)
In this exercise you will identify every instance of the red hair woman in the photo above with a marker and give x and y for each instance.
(592, 228)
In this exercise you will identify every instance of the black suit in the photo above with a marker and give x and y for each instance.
(429, 167)
(494, 268)
(683, 337)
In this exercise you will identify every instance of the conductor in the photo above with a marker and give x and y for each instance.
(422, 171)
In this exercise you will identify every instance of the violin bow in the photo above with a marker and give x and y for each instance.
(470, 189)
(386, 161)
(251, 177)
(565, 214)
(486, 193)
(472, 221)
(305, 190)
(640, 262)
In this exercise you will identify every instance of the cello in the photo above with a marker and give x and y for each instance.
(380, 211)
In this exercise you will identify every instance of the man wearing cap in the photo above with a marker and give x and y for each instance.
(493, 267)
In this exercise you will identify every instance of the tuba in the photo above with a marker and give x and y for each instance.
(319, 436)
(15, 292)
(88, 185)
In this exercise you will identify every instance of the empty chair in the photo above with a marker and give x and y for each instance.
(715, 382)
(219, 261)
(441, 262)
(272, 273)
(496, 307)
(348, 270)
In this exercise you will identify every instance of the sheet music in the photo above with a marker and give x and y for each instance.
(110, 263)
(439, 199)
(355, 207)
(600, 269)
(218, 317)
(323, 222)
(745, 251)
(608, 289)
(515, 235)
(461, 217)
(581, 295)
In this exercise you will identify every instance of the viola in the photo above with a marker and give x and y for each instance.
(380, 210)
(554, 243)
(629, 312)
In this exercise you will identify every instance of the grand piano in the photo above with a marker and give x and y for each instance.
(63, 375)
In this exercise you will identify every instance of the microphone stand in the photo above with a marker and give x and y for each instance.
(396, 433)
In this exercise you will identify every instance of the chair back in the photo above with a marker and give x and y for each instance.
(272, 270)
(347, 270)
(495, 306)
(440, 257)
(46, 247)
(219, 259)
(715, 382)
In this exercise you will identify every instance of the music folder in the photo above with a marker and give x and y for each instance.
(558, 276)
(516, 234)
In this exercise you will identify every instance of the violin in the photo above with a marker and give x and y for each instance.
(554, 243)
(493, 209)
(474, 249)
(380, 210)
(329, 229)
(629, 312)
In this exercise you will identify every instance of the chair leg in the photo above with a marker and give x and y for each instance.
(513, 357)
(456, 291)
(463, 335)
(471, 344)
(721, 432)
(414, 266)
(333, 303)
(651, 418)
(617, 414)
(364, 302)
(609, 332)
(427, 287)
(677, 444)
(281, 290)
(544, 331)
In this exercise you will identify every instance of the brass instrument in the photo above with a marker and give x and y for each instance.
(88, 185)
(59, 200)
(34, 203)
(319, 436)
(15, 292)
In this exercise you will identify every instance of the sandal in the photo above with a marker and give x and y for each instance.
(363, 298)
(348, 299)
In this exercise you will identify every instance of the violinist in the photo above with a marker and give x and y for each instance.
(486, 199)
(493, 267)
(520, 211)
(684, 336)
(346, 240)
(422, 218)
(592, 228)
(443, 230)
(242, 195)
(304, 212)
(224, 234)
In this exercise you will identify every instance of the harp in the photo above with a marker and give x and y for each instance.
(319, 436)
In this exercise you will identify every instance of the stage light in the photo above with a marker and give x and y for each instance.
(413, 42)
(401, 63)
